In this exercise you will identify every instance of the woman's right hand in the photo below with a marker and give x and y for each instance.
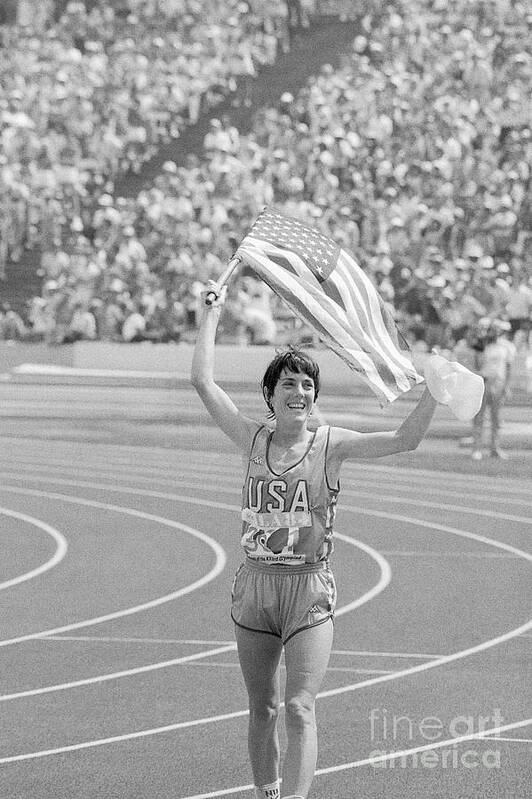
(213, 297)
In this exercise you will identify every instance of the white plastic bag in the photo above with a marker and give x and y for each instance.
(452, 384)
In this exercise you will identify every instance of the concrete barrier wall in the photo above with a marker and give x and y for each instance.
(14, 353)
(233, 364)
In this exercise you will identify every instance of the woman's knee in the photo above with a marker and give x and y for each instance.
(264, 712)
(300, 711)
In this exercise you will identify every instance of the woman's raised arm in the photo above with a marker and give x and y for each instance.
(220, 406)
(346, 444)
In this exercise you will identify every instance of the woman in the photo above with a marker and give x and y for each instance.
(284, 593)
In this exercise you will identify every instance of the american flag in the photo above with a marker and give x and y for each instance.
(325, 287)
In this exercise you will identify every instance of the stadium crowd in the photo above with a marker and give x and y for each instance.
(414, 155)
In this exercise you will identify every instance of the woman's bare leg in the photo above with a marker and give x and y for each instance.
(307, 656)
(259, 655)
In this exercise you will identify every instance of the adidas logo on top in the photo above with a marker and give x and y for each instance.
(315, 609)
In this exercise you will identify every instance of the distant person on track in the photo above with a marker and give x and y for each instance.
(494, 357)
(284, 593)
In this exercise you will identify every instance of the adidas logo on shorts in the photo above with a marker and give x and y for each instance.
(257, 460)
(315, 609)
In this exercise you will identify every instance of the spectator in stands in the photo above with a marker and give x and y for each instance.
(134, 326)
(414, 154)
(256, 310)
(519, 307)
(12, 327)
(82, 325)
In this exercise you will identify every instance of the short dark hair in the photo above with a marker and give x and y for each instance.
(293, 360)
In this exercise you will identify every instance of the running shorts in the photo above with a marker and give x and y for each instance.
(282, 600)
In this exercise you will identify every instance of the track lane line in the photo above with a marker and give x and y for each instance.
(229, 507)
(480, 647)
(323, 694)
(384, 479)
(442, 528)
(347, 492)
(222, 474)
(417, 503)
(106, 639)
(366, 597)
(192, 485)
(116, 640)
(226, 665)
(371, 761)
(407, 655)
(112, 489)
(381, 584)
(201, 486)
(433, 745)
(377, 588)
(512, 740)
(57, 557)
(154, 454)
(430, 553)
(220, 561)
(117, 674)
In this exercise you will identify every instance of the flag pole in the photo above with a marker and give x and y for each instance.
(222, 280)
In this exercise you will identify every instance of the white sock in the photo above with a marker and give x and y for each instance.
(271, 791)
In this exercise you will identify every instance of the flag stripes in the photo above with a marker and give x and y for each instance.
(335, 335)
(369, 299)
(326, 288)
(389, 363)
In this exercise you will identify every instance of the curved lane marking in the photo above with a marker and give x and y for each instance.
(333, 692)
(129, 672)
(402, 476)
(382, 474)
(153, 455)
(380, 480)
(323, 694)
(56, 558)
(104, 639)
(211, 575)
(97, 639)
(441, 506)
(384, 580)
(405, 484)
(234, 477)
(481, 735)
(363, 466)
(369, 761)
(194, 485)
(509, 740)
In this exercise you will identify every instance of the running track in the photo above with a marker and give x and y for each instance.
(119, 673)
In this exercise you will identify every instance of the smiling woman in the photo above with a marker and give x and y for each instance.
(286, 468)
(286, 371)
(284, 593)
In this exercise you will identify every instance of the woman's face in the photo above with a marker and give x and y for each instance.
(293, 396)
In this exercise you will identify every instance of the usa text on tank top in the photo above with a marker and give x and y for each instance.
(288, 517)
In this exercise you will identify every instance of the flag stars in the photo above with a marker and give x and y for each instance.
(313, 247)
